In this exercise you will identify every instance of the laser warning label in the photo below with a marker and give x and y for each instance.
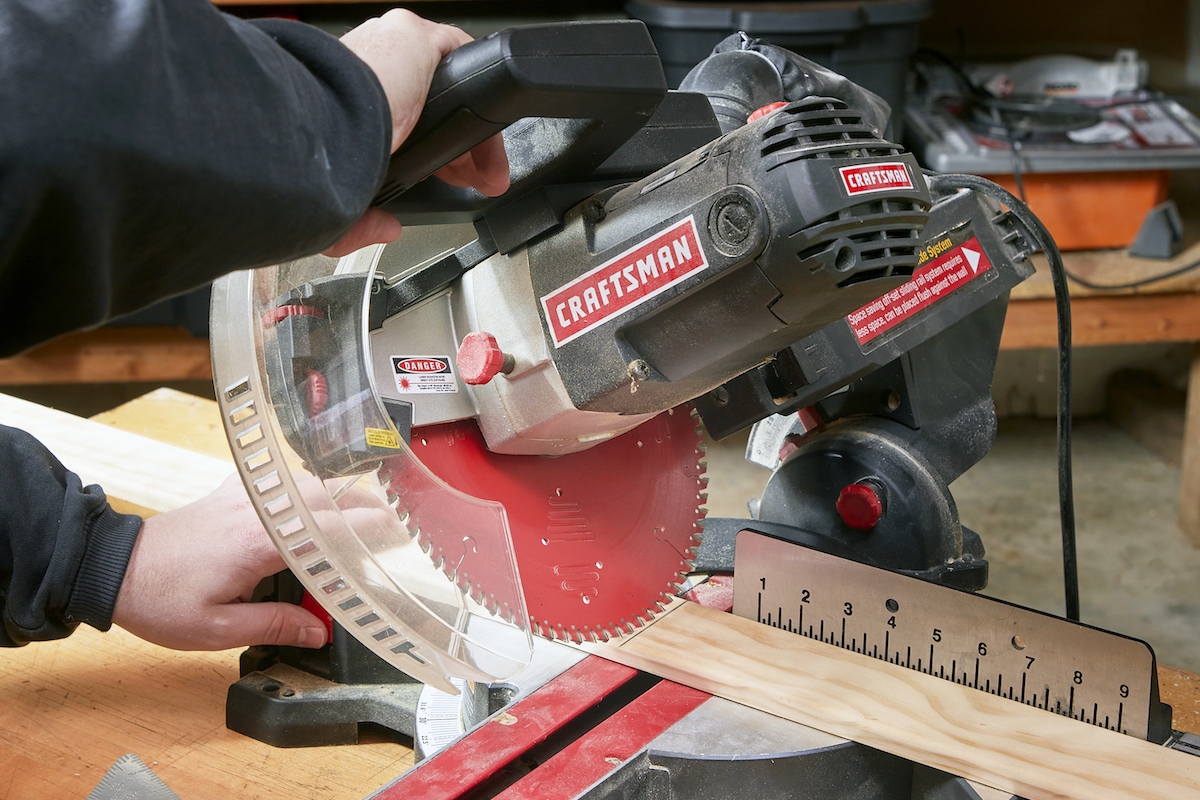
(950, 268)
(424, 375)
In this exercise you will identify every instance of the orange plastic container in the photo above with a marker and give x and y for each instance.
(1091, 210)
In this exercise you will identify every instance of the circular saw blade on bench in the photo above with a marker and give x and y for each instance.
(601, 537)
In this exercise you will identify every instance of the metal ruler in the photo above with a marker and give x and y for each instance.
(1023, 655)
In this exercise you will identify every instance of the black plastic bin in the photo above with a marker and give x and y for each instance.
(868, 41)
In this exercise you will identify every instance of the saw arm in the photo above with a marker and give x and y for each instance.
(643, 259)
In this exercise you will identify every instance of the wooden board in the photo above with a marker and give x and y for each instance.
(175, 418)
(149, 475)
(1189, 481)
(70, 708)
(1102, 320)
(1109, 267)
(997, 742)
(112, 355)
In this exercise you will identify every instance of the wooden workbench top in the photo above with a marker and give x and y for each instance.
(69, 709)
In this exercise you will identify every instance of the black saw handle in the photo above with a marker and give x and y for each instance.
(583, 89)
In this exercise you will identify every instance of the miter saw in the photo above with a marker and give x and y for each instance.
(488, 433)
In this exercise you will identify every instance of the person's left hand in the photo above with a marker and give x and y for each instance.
(403, 50)
(192, 574)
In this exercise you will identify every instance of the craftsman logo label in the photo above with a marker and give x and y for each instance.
(948, 269)
(423, 375)
(876, 178)
(619, 284)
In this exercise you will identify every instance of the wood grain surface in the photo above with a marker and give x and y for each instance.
(146, 474)
(70, 708)
(111, 355)
(1000, 743)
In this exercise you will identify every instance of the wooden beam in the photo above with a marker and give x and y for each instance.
(112, 355)
(1189, 479)
(148, 475)
(1000, 743)
(1100, 320)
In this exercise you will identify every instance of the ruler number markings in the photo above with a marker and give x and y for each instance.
(955, 636)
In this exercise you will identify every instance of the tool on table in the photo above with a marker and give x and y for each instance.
(130, 779)
(1086, 143)
(486, 435)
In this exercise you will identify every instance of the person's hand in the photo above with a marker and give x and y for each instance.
(403, 50)
(193, 571)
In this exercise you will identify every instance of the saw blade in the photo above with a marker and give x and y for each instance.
(601, 537)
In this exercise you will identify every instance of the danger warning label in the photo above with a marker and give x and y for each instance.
(424, 375)
(619, 284)
(952, 268)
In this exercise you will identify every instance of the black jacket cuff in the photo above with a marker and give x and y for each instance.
(110, 541)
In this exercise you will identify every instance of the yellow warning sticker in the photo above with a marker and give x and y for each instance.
(378, 437)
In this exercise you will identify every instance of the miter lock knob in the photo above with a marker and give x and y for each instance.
(859, 506)
(480, 359)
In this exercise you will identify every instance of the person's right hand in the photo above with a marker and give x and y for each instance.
(403, 50)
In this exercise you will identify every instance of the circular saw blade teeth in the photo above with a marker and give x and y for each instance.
(575, 522)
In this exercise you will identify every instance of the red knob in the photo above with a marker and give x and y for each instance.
(480, 359)
(859, 506)
(767, 109)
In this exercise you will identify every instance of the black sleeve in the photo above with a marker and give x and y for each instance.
(63, 550)
(149, 146)
(146, 147)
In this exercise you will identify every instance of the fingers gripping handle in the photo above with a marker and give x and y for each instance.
(606, 71)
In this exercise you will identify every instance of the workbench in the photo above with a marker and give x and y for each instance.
(71, 708)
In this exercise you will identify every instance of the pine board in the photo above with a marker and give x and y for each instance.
(997, 742)
(150, 476)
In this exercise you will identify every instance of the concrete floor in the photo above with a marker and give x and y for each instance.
(1139, 575)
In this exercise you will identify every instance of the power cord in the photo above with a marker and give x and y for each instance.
(1134, 284)
(1062, 305)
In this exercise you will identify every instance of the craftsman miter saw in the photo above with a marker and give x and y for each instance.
(490, 430)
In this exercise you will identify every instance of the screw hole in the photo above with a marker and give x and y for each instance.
(844, 260)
